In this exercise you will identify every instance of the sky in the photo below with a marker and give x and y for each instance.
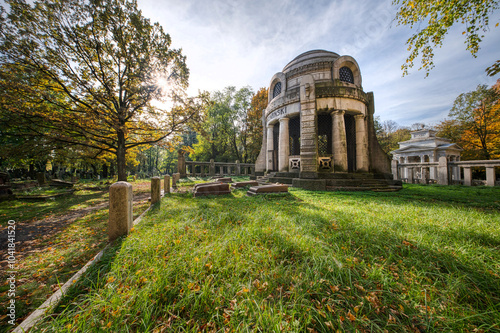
(245, 42)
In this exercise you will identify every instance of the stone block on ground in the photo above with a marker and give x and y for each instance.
(60, 183)
(120, 210)
(211, 189)
(224, 180)
(245, 184)
(266, 189)
(205, 184)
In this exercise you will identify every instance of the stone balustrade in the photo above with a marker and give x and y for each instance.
(445, 172)
(212, 168)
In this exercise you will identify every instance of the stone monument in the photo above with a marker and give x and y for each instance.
(318, 127)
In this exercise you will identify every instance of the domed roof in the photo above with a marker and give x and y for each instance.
(311, 57)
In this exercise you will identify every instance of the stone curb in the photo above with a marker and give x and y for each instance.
(54, 300)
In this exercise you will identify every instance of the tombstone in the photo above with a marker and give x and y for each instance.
(175, 178)
(266, 189)
(166, 184)
(155, 190)
(224, 180)
(120, 210)
(60, 183)
(211, 189)
(245, 184)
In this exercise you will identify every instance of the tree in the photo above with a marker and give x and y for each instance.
(86, 73)
(254, 123)
(438, 17)
(389, 134)
(476, 117)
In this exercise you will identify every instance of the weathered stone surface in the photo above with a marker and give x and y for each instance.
(224, 180)
(265, 189)
(120, 210)
(175, 178)
(155, 190)
(245, 184)
(205, 184)
(211, 189)
(60, 183)
(166, 184)
(310, 184)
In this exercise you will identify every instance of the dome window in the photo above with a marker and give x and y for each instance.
(345, 75)
(277, 89)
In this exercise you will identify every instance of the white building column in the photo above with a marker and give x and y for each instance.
(361, 143)
(284, 145)
(270, 147)
(339, 141)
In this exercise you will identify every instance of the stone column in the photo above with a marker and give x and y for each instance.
(212, 168)
(339, 141)
(443, 171)
(181, 163)
(270, 147)
(467, 176)
(394, 168)
(120, 210)
(166, 184)
(284, 145)
(490, 176)
(155, 190)
(362, 156)
(409, 176)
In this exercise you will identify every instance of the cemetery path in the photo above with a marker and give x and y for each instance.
(30, 235)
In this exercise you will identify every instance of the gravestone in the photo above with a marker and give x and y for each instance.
(155, 190)
(266, 189)
(120, 210)
(211, 189)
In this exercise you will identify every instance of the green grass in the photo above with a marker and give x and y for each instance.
(422, 259)
(49, 260)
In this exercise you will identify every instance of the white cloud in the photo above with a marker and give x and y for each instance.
(246, 42)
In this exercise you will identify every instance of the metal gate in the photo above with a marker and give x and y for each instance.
(350, 133)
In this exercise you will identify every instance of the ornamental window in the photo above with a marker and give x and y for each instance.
(345, 75)
(277, 89)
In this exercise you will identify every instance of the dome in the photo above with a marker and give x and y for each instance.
(311, 57)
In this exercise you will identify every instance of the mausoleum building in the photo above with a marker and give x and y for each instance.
(318, 124)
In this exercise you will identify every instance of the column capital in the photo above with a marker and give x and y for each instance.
(284, 119)
(360, 116)
(338, 112)
(269, 126)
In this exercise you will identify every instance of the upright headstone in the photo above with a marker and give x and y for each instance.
(166, 184)
(155, 190)
(490, 176)
(175, 178)
(40, 177)
(120, 209)
(181, 163)
(467, 176)
(212, 168)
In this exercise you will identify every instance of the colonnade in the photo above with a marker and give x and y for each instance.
(339, 143)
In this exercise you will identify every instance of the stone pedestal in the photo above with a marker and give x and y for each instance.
(490, 176)
(166, 184)
(467, 176)
(443, 178)
(120, 210)
(155, 190)
(175, 178)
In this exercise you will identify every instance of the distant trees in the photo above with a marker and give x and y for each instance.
(232, 126)
(389, 134)
(86, 74)
(474, 123)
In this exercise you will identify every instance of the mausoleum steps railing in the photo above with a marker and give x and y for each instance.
(445, 172)
(212, 168)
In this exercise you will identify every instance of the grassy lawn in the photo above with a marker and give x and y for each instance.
(425, 259)
(50, 259)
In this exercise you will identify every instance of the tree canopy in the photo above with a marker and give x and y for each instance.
(434, 19)
(475, 123)
(91, 74)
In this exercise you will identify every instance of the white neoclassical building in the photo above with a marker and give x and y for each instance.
(318, 125)
(425, 146)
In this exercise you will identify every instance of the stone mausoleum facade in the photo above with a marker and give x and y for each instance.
(318, 125)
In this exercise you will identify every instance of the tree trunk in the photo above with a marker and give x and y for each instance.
(120, 157)
(105, 171)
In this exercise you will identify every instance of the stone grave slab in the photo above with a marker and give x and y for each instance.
(245, 184)
(211, 189)
(224, 180)
(266, 189)
(60, 183)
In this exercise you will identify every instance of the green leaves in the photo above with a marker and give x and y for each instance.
(437, 17)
